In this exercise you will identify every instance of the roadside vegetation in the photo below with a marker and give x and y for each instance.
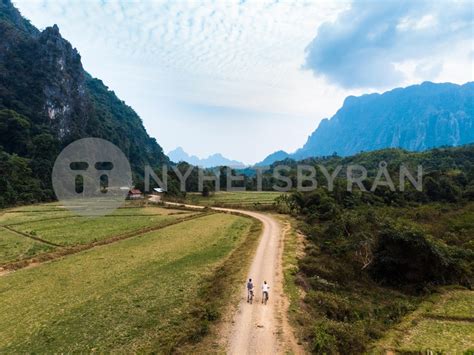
(148, 293)
(293, 249)
(371, 259)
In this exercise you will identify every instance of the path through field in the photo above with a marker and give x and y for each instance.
(254, 329)
(258, 328)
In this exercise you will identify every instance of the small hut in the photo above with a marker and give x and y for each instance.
(135, 194)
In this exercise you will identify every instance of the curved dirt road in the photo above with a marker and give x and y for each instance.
(258, 328)
(254, 328)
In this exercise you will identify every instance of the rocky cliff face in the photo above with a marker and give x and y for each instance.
(42, 78)
(48, 100)
(66, 103)
(416, 118)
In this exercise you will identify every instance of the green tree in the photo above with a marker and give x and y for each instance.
(14, 132)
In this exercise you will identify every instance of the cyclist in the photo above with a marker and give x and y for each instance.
(265, 289)
(249, 290)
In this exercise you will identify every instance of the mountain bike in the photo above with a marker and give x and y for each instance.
(250, 296)
(265, 297)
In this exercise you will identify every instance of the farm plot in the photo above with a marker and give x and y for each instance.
(442, 324)
(141, 294)
(27, 232)
(14, 246)
(245, 199)
(83, 230)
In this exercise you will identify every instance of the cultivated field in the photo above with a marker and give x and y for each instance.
(247, 199)
(29, 231)
(443, 324)
(149, 291)
(17, 247)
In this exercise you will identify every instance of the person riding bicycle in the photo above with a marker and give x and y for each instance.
(265, 290)
(249, 290)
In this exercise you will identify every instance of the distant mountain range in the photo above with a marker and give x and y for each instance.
(179, 155)
(277, 156)
(415, 118)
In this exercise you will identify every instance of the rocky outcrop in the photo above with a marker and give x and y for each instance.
(42, 79)
(416, 118)
(66, 103)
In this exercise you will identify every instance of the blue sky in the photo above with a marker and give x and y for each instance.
(246, 78)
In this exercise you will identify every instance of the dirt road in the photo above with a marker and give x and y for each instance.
(254, 327)
(257, 328)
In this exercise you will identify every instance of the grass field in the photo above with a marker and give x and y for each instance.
(22, 215)
(31, 229)
(138, 294)
(82, 230)
(247, 199)
(14, 246)
(444, 324)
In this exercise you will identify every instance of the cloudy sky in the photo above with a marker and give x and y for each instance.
(246, 78)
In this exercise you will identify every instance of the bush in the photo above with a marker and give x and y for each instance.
(405, 256)
(332, 305)
(330, 337)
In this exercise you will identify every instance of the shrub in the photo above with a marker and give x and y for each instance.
(330, 337)
(405, 256)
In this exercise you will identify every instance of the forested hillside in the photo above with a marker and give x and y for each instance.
(372, 257)
(48, 100)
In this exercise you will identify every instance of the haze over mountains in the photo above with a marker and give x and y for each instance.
(48, 100)
(177, 155)
(415, 118)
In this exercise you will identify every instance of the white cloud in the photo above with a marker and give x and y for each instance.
(246, 56)
(218, 53)
(370, 44)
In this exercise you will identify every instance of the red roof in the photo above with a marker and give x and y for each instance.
(135, 192)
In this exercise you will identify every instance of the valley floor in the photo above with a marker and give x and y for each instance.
(148, 285)
(154, 278)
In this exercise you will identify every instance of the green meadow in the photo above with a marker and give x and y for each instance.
(244, 199)
(444, 323)
(144, 293)
(26, 232)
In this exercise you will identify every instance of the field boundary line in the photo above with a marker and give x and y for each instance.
(70, 250)
(38, 220)
(448, 318)
(69, 217)
(37, 211)
(7, 227)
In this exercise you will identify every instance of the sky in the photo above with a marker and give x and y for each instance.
(247, 78)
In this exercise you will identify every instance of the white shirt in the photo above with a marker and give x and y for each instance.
(265, 287)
